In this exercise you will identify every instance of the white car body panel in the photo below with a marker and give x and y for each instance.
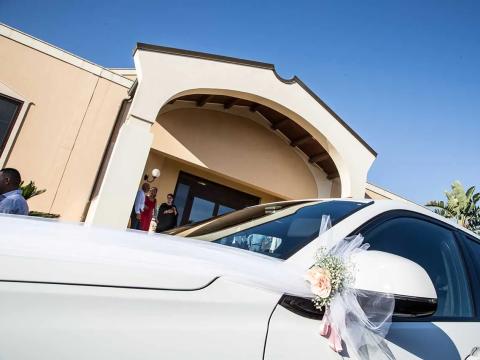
(433, 340)
(66, 253)
(61, 302)
(48, 321)
(293, 337)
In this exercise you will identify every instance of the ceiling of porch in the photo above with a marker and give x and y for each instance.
(296, 135)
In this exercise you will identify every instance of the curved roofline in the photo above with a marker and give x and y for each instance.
(258, 64)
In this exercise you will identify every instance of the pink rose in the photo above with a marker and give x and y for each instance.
(319, 279)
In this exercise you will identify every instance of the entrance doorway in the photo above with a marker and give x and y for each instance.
(198, 199)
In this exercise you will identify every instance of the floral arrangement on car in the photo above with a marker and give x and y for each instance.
(327, 277)
(353, 318)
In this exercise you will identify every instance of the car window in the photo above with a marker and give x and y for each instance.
(435, 249)
(235, 218)
(285, 235)
(473, 248)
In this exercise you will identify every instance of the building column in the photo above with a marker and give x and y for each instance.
(353, 183)
(113, 205)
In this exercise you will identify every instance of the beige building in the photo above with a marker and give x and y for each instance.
(224, 132)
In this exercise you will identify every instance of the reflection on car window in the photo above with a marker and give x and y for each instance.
(434, 248)
(278, 230)
(230, 219)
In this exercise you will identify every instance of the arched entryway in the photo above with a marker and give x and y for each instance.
(217, 153)
(170, 80)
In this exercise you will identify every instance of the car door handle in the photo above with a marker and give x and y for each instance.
(301, 306)
(474, 354)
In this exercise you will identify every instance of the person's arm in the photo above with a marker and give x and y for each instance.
(142, 203)
(175, 210)
(8, 206)
(14, 206)
(139, 203)
(161, 210)
(23, 207)
(154, 210)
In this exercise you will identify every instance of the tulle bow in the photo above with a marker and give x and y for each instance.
(355, 321)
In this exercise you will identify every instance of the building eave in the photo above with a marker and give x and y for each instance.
(62, 55)
(257, 64)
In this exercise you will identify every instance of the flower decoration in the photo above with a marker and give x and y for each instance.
(327, 277)
(346, 322)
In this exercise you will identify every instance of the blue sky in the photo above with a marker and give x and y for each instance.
(404, 74)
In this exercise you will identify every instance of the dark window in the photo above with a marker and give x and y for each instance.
(277, 230)
(9, 109)
(473, 248)
(473, 253)
(198, 199)
(435, 249)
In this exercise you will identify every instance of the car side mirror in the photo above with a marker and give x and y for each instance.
(408, 282)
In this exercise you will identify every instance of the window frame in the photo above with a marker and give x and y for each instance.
(393, 214)
(20, 104)
(16, 124)
(474, 270)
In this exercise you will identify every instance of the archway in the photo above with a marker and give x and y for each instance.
(166, 75)
(236, 148)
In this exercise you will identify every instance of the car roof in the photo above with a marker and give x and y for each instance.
(387, 204)
(400, 205)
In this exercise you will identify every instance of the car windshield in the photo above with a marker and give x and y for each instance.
(278, 230)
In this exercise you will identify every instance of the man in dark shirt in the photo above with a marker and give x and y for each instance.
(167, 215)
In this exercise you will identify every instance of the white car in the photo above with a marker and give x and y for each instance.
(73, 292)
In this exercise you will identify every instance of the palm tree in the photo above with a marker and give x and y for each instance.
(461, 205)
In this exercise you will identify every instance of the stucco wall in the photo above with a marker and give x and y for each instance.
(66, 129)
(237, 147)
(161, 77)
(170, 169)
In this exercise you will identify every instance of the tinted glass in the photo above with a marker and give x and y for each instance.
(224, 210)
(473, 246)
(434, 248)
(280, 237)
(201, 209)
(181, 195)
(473, 249)
(8, 110)
(232, 219)
(198, 199)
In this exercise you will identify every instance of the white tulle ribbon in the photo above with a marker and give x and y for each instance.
(355, 321)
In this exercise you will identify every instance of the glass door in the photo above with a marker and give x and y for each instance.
(201, 209)
(198, 199)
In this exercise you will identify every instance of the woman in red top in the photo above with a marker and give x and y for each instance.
(149, 209)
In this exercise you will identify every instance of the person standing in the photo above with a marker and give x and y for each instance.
(149, 209)
(167, 215)
(138, 206)
(11, 199)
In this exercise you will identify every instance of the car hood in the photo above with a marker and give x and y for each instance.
(52, 252)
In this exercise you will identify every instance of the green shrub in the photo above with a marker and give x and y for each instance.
(30, 190)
